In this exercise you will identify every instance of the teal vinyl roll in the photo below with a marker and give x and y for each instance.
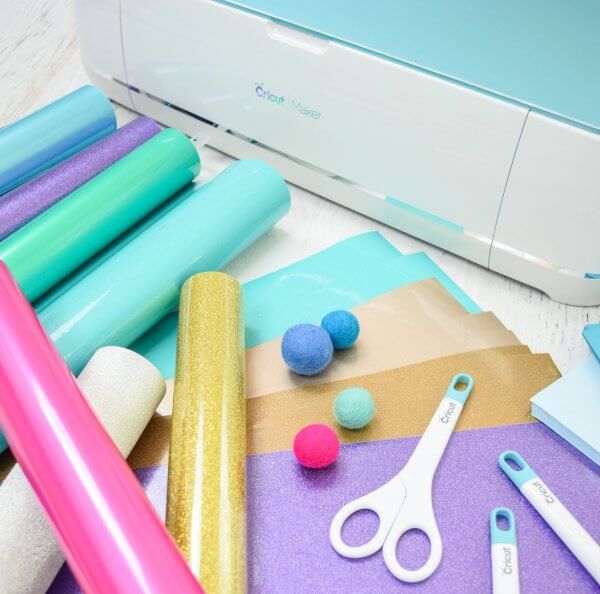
(52, 134)
(132, 290)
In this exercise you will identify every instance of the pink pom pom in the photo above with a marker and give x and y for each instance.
(316, 446)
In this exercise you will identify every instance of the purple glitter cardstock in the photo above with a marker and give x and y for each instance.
(26, 201)
(290, 508)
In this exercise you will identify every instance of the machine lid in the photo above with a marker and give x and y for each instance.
(545, 55)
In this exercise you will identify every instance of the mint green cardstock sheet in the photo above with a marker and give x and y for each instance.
(340, 277)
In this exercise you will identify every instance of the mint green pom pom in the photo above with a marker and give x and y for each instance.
(354, 408)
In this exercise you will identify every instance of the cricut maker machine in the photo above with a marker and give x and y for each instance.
(473, 124)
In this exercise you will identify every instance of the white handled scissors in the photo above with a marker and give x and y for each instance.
(404, 502)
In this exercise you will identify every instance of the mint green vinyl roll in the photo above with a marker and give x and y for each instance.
(61, 239)
(130, 291)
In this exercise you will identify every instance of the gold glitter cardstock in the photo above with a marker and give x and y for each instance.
(206, 507)
(505, 379)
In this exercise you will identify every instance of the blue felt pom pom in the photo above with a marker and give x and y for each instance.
(306, 349)
(343, 328)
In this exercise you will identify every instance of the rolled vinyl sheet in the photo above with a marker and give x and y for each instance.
(52, 134)
(206, 509)
(411, 324)
(63, 237)
(109, 532)
(132, 290)
(107, 253)
(339, 277)
(114, 247)
(25, 202)
(123, 390)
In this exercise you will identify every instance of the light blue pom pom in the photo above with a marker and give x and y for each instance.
(306, 349)
(343, 328)
(354, 408)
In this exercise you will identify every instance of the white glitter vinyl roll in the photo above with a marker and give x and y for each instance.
(124, 390)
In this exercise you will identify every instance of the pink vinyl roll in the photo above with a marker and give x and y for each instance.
(108, 530)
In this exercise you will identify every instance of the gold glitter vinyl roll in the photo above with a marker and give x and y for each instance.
(206, 504)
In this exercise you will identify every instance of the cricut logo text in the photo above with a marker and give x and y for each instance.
(449, 412)
(264, 93)
(285, 101)
(507, 561)
(544, 491)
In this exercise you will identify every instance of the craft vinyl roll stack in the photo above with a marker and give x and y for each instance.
(102, 239)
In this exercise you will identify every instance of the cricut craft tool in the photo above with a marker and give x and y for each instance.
(556, 515)
(404, 503)
(505, 563)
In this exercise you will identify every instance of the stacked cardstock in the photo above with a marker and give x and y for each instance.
(571, 407)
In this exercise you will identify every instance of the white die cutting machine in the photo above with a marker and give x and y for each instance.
(474, 125)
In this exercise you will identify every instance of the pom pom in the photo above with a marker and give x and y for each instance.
(354, 408)
(316, 446)
(343, 328)
(306, 349)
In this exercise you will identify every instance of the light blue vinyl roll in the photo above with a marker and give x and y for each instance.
(132, 290)
(52, 134)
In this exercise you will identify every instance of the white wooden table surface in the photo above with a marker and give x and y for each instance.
(39, 62)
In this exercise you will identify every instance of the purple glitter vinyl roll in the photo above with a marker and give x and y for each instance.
(28, 200)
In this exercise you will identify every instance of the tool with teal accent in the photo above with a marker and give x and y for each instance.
(505, 562)
(556, 515)
(404, 503)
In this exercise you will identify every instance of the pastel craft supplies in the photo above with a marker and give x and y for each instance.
(52, 134)
(132, 290)
(206, 496)
(55, 243)
(353, 408)
(503, 551)
(343, 328)
(405, 502)
(25, 202)
(306, 349)
(123, 390)
(316, 446)
(556, 515)
(290, 507)
(108, 530)
(571, 407)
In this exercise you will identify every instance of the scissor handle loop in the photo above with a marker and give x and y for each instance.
(385, 503)
(417, 514)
